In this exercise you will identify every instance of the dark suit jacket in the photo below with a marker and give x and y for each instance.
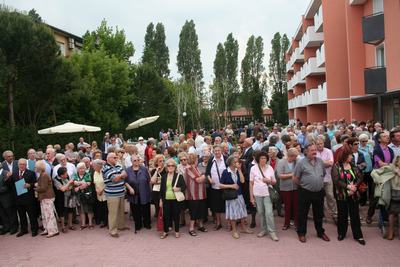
(15, 166)
(163, 146)
(30, 178)
(6, 192)
(181, 184)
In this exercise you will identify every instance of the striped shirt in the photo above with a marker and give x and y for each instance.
(194, 190)
(113, 189)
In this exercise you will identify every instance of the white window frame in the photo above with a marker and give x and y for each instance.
(377, 6)
(377, 48)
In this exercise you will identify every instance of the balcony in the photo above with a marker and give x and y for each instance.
(321, 56)
(373, 27)
(290, 84)
(289, 68)
(375, 80)
(297, 79)
(311, 97)
(311, 39)
(357, 2)
(296, 57)
(318, 20)
(310, 68)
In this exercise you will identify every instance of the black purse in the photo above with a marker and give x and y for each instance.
(228, 193)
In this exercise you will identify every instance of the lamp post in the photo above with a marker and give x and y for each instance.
(184, 122)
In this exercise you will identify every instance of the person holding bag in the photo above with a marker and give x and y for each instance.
(262, 178)
(171, 197)
(235, 207)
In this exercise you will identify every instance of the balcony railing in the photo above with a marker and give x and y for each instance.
(321, 56)
(310, 68)
(373, 28)
(318, 20)
(310, 97)
(311, 39)
(375, 80)
(297, 79)
(296, 57)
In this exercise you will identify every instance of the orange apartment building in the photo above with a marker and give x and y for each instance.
(344, 62)
(67, 42)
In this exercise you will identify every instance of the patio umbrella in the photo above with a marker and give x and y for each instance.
(141, 122)
(69, 127)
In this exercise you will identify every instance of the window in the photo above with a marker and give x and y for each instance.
(62, 48)
(380, 56)
(377, 6)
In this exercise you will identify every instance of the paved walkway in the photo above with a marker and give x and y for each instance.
(97, 248)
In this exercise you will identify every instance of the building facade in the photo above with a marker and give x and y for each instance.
(67, 42)
(243, 116)
(344, 62)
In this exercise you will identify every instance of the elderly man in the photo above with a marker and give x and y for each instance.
(327, 157)
(9, 164)
(31, 159)
(309, 174)
(81, 143)
(51, 156)
(25, 201)
(114, 181)
(64, 163)
(141, 146)
(395, 144)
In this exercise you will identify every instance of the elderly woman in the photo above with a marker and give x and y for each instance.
(171, 182)
(138, 183)
(195, 194)
(120, 153)
(83, 188)
(366, 149)
(100, 211)
(288, 188)
(66, 198)
(347, 179)
(183, 164)
(273, 160)
(155, 181)
(235, 209)
(261, 176)
(45, 192)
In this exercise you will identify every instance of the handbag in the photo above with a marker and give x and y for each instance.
(178, 195)
(228, 193)
(160, 221)
(273, 194)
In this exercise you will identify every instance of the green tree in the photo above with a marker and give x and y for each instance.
(277, 75)
(190, 67)
(113, 43)
(156, 53)
(252, 76)
(30, 70)
(34, 15)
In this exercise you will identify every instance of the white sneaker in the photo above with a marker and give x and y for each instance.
(261, 234)
(274, 236)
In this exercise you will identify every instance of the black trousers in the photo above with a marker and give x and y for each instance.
(30, 209)
(246, 195)
(141, 215)
(101, 212)
(172, 210)
(369, 193)
(307, 198)
(349, 208)
(9, 217)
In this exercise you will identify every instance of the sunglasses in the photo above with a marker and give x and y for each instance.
(170, 165)
(356, 144)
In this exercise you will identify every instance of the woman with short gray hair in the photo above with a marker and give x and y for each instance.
(235, 207)
(100, 206)
(83, 188)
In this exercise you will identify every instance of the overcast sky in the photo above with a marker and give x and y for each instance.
(214, 20)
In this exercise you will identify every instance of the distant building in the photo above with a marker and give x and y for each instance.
(344, 62)
(67, 42)
(243, 116)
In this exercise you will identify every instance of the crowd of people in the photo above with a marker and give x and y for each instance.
(208, 176)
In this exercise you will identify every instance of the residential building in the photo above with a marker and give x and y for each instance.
(67, 42)
(344, 62)
(243, 116)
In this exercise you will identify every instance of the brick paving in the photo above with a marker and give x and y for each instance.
(96, 248)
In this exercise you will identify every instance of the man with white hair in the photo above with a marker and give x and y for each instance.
(71, 169)
(51, 156)
(9, 164)
(141, 146)
(31, 160)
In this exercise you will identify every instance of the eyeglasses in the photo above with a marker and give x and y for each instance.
(170, 165)
(364, 141)
(183, 159)
(356, 144)
(114, 157)
(134, 160)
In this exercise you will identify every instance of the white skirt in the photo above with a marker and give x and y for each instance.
(235, 209)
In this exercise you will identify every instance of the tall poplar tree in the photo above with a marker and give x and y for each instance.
(252, 76)
(190, 67)
(277, 78)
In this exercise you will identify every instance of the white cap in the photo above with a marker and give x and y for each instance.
(140, 138)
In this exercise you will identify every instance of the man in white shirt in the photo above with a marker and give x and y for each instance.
(199, 139)
(81, 143)
(71, 169)
(395, 144)
(141, 146)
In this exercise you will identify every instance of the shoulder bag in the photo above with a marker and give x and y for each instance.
(178, 195)
(273, 194)
(228, 193)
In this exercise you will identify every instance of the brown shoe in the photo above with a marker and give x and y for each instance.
(324, 237)
(302, 238)
(114, 235)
